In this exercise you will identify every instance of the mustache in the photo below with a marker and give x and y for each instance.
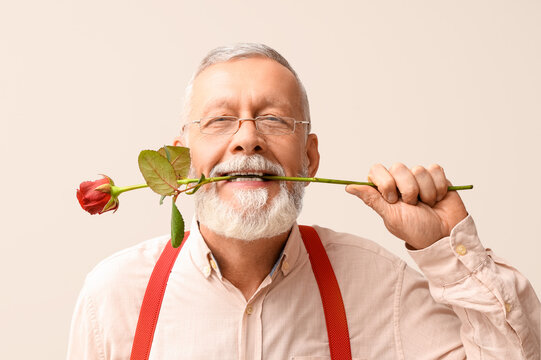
(247, 163)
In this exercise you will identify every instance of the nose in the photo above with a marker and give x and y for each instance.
(247, 140)
(246, 119)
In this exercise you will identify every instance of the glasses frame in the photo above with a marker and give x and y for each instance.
(255, 120)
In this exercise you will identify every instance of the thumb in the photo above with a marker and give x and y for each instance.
(370, 196)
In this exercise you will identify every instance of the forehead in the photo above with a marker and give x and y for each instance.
(255, 82)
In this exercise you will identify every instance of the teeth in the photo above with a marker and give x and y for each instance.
(254, 173)
(247, 179)
(247, 176)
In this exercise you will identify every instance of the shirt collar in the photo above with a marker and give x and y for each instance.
(291, 252)
(205, 262)
(200, 253)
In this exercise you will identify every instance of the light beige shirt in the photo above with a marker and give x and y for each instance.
(477, 306)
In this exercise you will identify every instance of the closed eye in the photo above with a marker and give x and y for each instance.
(219, 119)
(270, 118)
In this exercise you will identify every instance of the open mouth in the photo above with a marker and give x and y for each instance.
(247, 176)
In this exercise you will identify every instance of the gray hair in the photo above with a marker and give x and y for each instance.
(243, 51)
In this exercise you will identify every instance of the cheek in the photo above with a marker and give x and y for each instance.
(202, 163)
(293, 159)
(204, 155)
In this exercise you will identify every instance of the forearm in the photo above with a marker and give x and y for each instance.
(497, 306)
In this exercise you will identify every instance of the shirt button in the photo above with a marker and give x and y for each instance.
(206, 270)
(285, 266)
(507, 307)
(249, 310)
(213, 264)
(461, 249)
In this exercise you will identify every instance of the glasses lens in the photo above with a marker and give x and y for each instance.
(219, 125)
(273, 125)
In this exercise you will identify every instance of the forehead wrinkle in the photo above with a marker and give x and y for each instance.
(219, 103)
(277, 103)
(256, 103)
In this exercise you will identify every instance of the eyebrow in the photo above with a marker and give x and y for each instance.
(230, 102)
(217, 103)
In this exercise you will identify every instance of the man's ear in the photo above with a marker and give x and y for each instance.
(312, 153)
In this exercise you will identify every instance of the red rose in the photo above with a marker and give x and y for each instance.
(95, 196)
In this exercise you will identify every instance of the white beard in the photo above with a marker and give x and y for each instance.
(253, 218)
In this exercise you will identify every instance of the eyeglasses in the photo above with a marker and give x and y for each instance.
(267, 125)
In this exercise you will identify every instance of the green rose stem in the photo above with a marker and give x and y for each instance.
(117, 190)
(177, 222)
(162, 170)
(346, 182)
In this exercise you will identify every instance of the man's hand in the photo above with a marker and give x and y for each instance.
(414, 203)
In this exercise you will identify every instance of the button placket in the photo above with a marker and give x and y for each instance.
(252, 329)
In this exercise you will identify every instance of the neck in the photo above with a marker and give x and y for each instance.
(244, 263)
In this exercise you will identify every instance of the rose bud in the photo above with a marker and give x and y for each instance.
(95, 196)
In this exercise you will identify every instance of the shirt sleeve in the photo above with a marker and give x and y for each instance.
(497, 307)
(84, 339)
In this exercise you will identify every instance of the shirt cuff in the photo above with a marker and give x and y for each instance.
(453, 258)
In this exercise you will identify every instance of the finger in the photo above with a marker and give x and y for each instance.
(405, 182)
(370, 196)
(384, 181)
(440, 180)
(427, 188)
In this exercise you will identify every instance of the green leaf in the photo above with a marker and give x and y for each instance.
(167, 153)
(161, 199)
(177, 226)
(198, 185)
(158, 173)
(179, 158)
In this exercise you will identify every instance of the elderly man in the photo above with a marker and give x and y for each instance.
(243, 285)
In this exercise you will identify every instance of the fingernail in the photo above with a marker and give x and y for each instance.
(392, 197)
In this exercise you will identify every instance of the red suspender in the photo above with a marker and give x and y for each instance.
(152, 302)
(331, 298)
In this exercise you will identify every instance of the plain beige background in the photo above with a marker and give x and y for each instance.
(86, 85)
